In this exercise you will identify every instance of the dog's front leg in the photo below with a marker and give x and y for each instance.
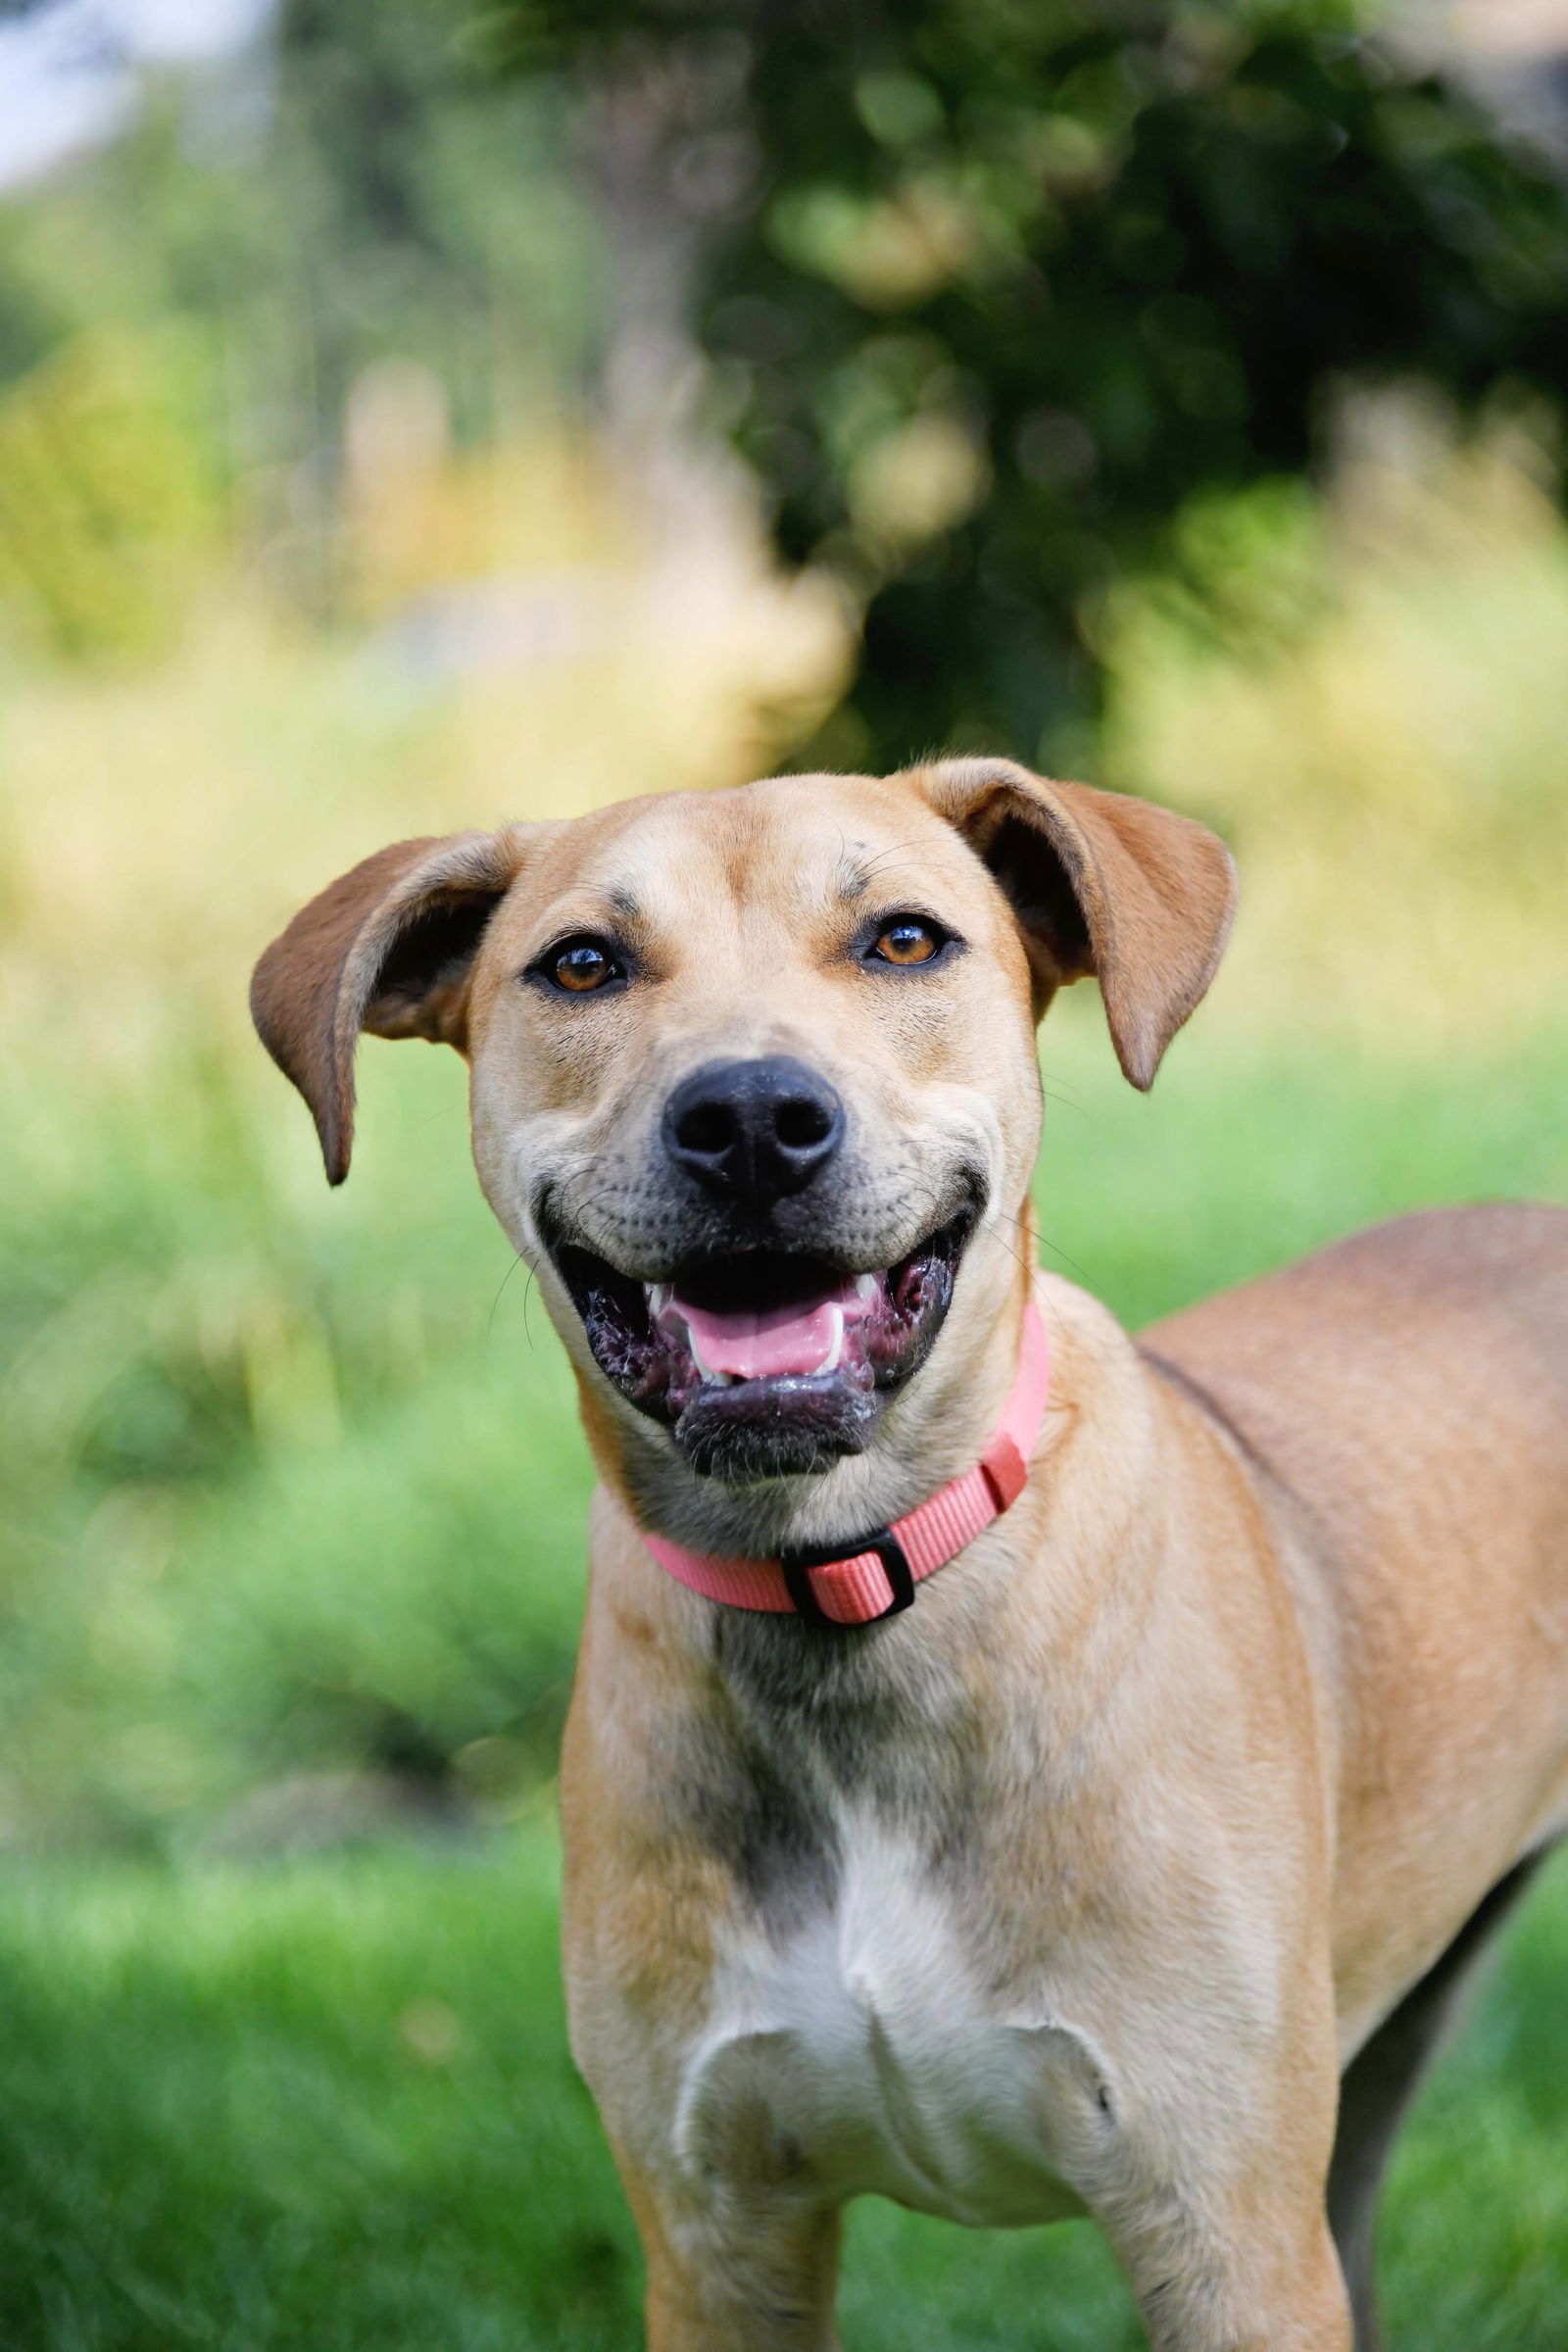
(736, 2273)
(1270, 2282)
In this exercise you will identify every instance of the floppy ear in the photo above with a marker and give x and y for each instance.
(1098, 883)
(388, 947)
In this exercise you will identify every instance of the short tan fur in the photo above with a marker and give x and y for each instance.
(1078, 1885)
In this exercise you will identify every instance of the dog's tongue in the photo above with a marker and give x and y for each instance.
(770, 1343)
(752, 1346)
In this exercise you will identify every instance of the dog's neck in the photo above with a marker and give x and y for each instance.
(855, 1716)
(930, 1435)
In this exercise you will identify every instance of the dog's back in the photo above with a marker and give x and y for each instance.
(1403, 1399)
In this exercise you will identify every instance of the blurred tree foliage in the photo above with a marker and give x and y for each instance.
(185, 314)
(440, 226)
(1003, 284)
(106, 503)
(991, 292)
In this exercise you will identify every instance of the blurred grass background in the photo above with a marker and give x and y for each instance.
(291, 1553)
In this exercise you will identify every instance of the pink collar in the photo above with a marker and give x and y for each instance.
(877, 1575)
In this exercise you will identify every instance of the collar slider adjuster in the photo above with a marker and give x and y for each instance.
(799, 1561)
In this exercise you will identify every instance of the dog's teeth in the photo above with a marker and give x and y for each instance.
(722, 1380)
(658, 1297)
(869, 1287)
(830, 1361)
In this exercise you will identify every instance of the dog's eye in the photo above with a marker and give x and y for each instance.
(582, 964)
(909, 939)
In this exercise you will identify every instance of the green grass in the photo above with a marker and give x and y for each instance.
(294, 1481)
(330, 2106)
(1242, 1159)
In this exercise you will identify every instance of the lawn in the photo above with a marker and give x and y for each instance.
(329, 2105)
(292, 1487)
(326, 2101)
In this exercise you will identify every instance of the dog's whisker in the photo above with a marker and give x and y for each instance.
(1046, 1242)
(1017, 1256)
(518, 1260)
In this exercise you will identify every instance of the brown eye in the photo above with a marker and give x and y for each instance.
(582, 964)
(908, 939)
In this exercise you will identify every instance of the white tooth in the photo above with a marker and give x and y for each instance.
(722, 1379)
(830, 1361)
(869, 1287)
(658, 1297)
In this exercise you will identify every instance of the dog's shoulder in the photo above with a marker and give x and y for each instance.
(1430, 1352)
(1473, 1276)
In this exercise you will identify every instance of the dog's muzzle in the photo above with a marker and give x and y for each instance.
(763, 1347)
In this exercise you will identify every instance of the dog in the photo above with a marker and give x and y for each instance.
(1014, 1769)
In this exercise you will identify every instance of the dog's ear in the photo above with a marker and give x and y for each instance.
(387, 948)
(1100, 883)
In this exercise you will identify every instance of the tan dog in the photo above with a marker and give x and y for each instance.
(1195, 1779)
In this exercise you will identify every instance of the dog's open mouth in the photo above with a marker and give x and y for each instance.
(764, 1362)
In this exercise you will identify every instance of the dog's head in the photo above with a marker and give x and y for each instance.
(754, 1072)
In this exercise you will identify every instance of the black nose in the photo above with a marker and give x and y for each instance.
(753, 1130)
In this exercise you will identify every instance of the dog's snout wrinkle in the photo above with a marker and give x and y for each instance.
(755, 1131)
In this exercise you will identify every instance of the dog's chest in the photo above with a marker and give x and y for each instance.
(859, 2054)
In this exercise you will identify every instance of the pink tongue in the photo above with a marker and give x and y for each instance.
(767, 1343)
(761, 1346)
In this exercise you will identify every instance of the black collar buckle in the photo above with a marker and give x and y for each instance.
(801, 1559)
